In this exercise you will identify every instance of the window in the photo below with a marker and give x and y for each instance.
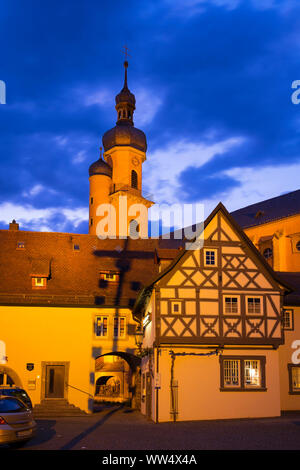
(242, 373)
(92, 221)
(176, 307)
(119, 327)
(110, 277)
(92, 200)
(101, 326)
(76, 247)
(252, 373)
(288, 320)
(231, 369)
(210, 257)
(294, 378)
(134, 179)
(133, 229)
(253, 305)
(298, 246)
(39, 282)
(20, 245)
(231, 305)
(268, 253)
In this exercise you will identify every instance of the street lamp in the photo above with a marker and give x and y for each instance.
(139, 335)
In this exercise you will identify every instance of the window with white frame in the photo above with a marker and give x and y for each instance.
(231, 370)
(101, 326)
(287, 319)
(242, 373)
(254, 305)
(119, 327)
(231, 304)
(210, 257)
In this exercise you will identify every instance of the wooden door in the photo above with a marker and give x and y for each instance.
(148, 396)
(55, 381)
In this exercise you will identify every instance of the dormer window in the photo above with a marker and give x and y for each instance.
(39, 282)
(109, 276)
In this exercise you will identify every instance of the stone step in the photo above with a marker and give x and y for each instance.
(56, 408)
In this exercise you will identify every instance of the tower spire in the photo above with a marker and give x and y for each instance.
(125, 87)
(125, 100)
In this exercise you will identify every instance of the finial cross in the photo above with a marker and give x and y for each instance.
(126, 52)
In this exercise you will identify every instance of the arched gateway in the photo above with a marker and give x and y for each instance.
(117, 378)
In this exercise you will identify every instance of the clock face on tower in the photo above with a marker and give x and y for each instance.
(135, 161)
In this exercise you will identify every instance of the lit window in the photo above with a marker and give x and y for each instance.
(231, 305)
(294, 379)
(20, 245)
(110, 277)
(287, 320)
(242, 373)
(254, 305)
(268, 253)
(76, 247)
(119, 327)
(252, 374)
(39, 282)
(101, 326)
(210, 257)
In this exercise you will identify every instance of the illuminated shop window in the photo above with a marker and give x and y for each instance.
(242, 373)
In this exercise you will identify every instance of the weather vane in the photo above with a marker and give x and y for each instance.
(126, 52)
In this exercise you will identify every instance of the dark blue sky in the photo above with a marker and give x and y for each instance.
(212, 79)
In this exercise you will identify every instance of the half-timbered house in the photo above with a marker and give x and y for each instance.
(212, 328)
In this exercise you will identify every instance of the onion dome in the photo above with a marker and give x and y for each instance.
(124, 133)
(100, 167)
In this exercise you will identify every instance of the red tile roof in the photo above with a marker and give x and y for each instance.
(73, 276)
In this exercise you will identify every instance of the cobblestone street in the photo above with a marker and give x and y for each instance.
(120, 428)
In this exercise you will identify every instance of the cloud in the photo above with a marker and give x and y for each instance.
(164, 166)
(148, 102)
(41, 220)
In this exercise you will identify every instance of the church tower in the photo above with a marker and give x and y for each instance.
(117, 178)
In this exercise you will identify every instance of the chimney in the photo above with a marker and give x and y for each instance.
(13, 225)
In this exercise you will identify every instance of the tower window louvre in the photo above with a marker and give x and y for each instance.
(134, 179)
